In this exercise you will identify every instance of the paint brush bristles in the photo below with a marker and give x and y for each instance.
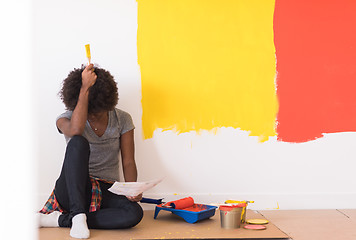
(87, 50)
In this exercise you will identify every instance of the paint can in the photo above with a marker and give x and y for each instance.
(230, 215)
(243, 218)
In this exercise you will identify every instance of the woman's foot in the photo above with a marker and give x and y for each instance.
(79, 226)
(48, 220)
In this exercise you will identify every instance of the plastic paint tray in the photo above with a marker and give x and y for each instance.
(189, 216)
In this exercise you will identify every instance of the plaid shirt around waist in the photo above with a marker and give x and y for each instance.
(96, 195)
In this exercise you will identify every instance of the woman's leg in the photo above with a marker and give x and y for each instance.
(73, 188)
(116, 212)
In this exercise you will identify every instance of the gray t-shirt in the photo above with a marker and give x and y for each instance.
(104, 150)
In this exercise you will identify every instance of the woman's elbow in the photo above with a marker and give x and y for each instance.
(74, 132)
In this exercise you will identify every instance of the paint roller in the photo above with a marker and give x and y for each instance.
(177, 204)
(181, 203)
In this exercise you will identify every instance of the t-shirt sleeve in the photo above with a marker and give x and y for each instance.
(67, 114)
(126, 123)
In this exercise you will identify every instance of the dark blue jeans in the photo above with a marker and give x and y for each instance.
(73, 193)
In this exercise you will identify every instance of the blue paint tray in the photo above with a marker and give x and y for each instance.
(189, 216)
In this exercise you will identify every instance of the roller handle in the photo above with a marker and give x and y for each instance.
(151, 201)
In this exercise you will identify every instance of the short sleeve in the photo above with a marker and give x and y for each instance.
(67, 114)
(125, 121)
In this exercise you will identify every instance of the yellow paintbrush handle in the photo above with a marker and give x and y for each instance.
(234, 201)
(87, 50)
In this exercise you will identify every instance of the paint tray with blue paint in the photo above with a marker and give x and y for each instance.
(187, 209)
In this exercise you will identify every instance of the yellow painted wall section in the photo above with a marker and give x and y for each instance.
(207, 64)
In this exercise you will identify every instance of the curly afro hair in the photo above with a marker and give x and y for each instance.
(103, 95)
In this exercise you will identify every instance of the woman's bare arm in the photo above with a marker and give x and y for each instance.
(76, 125)
(128, 156)
(128, 160)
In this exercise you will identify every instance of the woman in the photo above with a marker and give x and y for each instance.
(96, 132)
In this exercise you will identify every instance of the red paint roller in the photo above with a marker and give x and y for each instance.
(181, 203)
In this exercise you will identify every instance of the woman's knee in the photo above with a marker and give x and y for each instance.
(78, 148)
(138, 212)
(135, 215)
(80, 142)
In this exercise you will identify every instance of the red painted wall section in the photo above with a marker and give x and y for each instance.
(315, 44)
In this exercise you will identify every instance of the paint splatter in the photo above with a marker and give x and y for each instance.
(207, 64)
(316, 51)
(196, 208)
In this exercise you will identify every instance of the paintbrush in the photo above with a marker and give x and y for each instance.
(87, 50)
(234, 201)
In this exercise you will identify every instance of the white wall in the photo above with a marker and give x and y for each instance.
(210, 167)
(17, 170)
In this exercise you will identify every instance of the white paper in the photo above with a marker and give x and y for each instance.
(133, 188)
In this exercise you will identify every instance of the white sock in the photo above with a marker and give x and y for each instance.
(79, 226)
(48, 220)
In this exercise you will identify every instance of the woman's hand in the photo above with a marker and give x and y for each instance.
(88, 77)
(136, 198)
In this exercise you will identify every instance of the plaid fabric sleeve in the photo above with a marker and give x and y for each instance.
(96, 195)
(51, 205)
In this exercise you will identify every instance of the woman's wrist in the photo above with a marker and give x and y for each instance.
(84, 90)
